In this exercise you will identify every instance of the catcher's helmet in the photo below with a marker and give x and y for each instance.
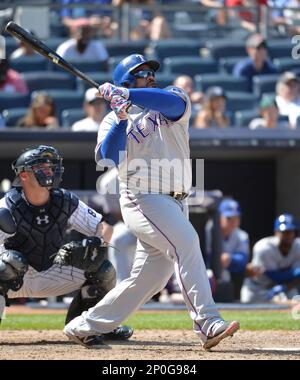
(30, 160)
(285, 222)
(123, 72)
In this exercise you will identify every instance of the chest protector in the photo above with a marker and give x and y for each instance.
(40, 229)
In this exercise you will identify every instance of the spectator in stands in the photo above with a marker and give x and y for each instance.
(234, 257)
(270, 115)
(214, 112)
(218, 6)
(24, 50)
(278, 258)
(81, 45)
(292, 16)
(187, 84)
(247, 17)
(10, 80)
(288, 96)
(276, 15)
(286, 21)
(257, 63)
(95, 109)
(145, 23)
(41, 113)
(98, 18)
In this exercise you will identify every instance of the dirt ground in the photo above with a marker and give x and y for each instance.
(152, 345)
(147, 345)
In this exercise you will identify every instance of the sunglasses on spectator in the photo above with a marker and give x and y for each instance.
(145, 74)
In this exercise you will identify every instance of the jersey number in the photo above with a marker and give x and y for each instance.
(91, 212)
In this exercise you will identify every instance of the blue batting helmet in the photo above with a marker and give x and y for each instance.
(285, 222)
(123, 71)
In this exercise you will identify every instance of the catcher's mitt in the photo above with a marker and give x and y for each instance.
(87, 254)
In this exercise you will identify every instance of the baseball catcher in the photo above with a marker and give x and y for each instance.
(34, 217)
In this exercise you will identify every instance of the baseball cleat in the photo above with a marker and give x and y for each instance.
(120, 333)
(92, 341)
(213, 341)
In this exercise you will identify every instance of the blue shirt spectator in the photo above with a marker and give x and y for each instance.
(257, 63)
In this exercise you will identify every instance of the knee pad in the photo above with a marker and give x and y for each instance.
(96, 286)
(13, 266)
(99, 283)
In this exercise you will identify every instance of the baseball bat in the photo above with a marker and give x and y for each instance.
(28, 38)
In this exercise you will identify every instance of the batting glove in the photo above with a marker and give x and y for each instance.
(108, 90)
(120, 106)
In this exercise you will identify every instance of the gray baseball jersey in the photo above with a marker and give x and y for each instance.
(238, 241)
(154, 144)
(267, 256)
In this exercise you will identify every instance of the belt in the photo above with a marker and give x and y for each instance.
(179, 196)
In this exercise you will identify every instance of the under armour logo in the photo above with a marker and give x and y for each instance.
(42, 220)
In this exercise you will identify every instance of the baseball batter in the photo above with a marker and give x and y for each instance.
(149, 126)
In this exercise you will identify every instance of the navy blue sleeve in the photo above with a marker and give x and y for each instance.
(244, 69)
(114, 142)
(238, 262)
(167, 103)
(271, 68)
(280, 276)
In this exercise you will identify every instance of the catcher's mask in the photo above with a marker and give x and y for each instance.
(34, 161)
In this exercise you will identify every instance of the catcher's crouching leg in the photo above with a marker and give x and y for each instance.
(97, 285)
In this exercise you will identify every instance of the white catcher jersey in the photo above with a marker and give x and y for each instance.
(157, 158)
(84, 220)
